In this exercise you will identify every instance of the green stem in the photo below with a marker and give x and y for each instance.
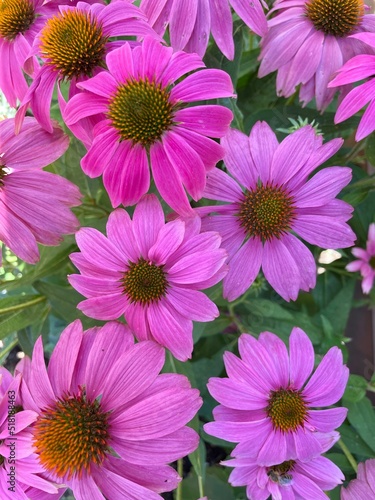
(200, 484)
(348, 455)
(180, 470)
(6, 350)
(370, 388)
(30, 303)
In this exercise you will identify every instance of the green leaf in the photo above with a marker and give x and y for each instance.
(355, 389)
(354, 442)
(21, 318)
(361, 416)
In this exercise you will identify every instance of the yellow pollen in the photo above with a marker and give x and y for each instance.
(335, 17)
(71, 435)
(266, 212)
(16, 16)
(141, 111)
(286, 409)
(73, 43)
(144, 282)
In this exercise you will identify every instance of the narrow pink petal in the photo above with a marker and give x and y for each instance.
(209, 120)
(332, 60)
(148, 219)
(257, 431)
(136, 317)
(197, 266)
(17, 236)
(102, 84)
(192, 304)
(307, 488)
(241, 276)
(87, 487)
(220, 186)
(277, 349)
(301, 358)
(274, 449)
(182, 20)
(105, 308)
(120, 65)
(367, 123)
(252, 14)
(355, 100)
(180, 64)
(306, 444)
(222, 26)
(83, 105)
(358, 68)
(324, 231)
(327, 420)
(263, 145)
(238, 370)
(39, 383)
(168, 240)
(235, 395)
(304, 259)
(238, 158)
(99, 250)
(209, 151)
(204, 84)
(120, 233)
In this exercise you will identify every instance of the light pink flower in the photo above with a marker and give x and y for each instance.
(35, 205)
(72, 46)
(290, 480)
(358, 68)
(267, 402)
(19, 467)
(308, 40)
(144, 118)
(364, 486)
(191, 22)
(107, 422)
(20, 21)
(279, 198)
(150, 272)
(366, 261)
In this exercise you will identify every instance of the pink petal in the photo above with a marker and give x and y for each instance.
(301, 358)
(148, 220)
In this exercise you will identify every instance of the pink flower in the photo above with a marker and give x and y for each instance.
(308, 40)
(151, 272)
(19, 466)
(20, 21)
(144, 119)
(256, 225)
(190, 23)
(73, 45)
(107, 422)
(266, 404)
(364, 486)
(292, 479)
(35, 205)
(361, 67)
(366, 261)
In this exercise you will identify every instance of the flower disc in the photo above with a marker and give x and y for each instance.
(16, 16)
(335, 17)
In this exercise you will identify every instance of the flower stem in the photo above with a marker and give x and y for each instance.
(23, 305)
(180, 470)
(348, 455)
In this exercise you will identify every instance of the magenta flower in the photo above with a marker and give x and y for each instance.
(151, 272)
(144, 119)
(19, 466)
(73, 45)
(20, 21)
(365, 263)
(107, 422)
(266, 404)
(358, 68)
(308, 40)
(364, 486)
(190, 23)
(256, 225)
(35, 205)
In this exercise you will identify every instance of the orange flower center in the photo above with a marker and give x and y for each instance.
(144, 282)
(335, 17)
(286, 409)
(16, 16)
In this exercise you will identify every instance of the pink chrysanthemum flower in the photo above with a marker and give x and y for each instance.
(278, 199)
(19, 466)
(151, 272)
(361, 67)
(362, 488)
(72, 46)
(366, 261)
(267, 404)
(20, 21)
(308, 40)
(35, 205)
(190, 23)
(290, 480)
(144, 118)
(107, 422)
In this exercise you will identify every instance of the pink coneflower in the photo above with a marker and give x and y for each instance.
(362, 488)
(361, 67)
(107, 422)
(292, 479)
(73, 45)
(366, 261)
(278, 199)
(144, 118)
(266, 404)
(20, 21)
(308, 40)
(19, 466)
(35, 205)
(190, 23)
(151, 272)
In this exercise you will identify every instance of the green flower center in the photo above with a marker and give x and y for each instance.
(72, 435)
(267, 212)
(141, 111)
(335, 17)
(281, 473)
(286, 409)
(144, 282)
(73, 43)
(16, 16)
